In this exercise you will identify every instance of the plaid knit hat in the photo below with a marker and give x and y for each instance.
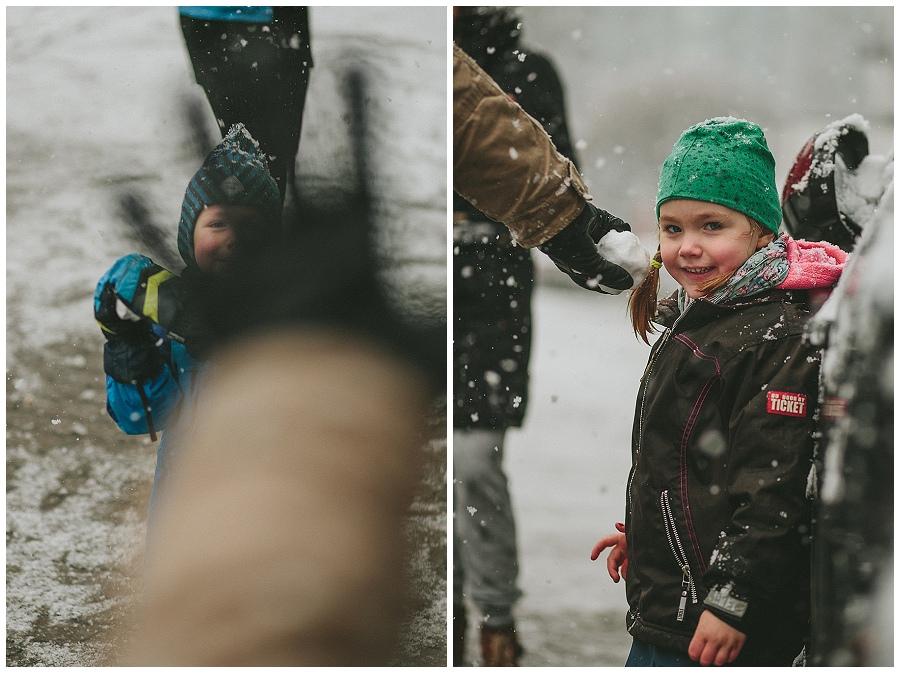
(724, 161)
(235, 173)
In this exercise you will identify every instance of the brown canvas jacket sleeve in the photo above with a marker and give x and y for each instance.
(505, 164)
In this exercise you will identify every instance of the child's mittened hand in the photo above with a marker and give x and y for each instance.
(624, 249)
(617, 561)
(116, 319)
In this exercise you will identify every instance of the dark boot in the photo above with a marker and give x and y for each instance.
(500, 647)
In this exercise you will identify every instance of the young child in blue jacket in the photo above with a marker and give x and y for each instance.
(231, 205)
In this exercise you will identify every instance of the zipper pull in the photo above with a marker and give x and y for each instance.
(686, 582)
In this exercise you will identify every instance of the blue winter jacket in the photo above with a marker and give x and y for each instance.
(134, 413)
(165, 395)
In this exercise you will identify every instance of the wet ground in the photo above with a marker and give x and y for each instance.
(77, 492)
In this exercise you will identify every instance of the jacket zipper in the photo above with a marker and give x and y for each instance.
(665, 338)
(687, 580)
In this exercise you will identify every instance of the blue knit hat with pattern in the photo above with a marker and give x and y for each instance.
(724, 161)
(235, 173)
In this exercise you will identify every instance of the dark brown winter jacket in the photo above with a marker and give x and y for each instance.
(717, 514)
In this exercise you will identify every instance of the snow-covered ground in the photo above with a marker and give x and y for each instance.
(568, 466)
(95, 106)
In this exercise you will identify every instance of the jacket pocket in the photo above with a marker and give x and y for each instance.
(688, 586)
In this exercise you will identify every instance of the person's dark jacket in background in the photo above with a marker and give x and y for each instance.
(493, 277)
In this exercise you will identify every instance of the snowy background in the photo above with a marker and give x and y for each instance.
(635, 78)
(95, 107)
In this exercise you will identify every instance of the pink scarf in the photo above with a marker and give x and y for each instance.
(812, 264)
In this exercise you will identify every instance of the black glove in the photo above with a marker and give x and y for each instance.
(129, 354)
(574, 251)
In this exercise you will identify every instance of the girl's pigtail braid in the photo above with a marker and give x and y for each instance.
(642, 302)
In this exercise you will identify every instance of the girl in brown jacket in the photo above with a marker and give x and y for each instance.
(715, 544)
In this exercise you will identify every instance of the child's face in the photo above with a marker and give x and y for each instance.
(699, 241)
(217, 234)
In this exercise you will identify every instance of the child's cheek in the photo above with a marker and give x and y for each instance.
(202, 252)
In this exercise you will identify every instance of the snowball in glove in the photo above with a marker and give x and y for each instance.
(624, 249)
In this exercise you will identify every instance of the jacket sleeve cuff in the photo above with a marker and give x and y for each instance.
(728, 604)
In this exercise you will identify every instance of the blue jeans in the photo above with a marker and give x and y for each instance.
(643, 654)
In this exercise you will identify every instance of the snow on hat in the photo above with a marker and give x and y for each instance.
(235, 173)
(724, 161)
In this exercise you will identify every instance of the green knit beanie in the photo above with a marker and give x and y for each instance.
(725, 161)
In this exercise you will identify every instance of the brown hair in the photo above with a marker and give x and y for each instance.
(642, 302)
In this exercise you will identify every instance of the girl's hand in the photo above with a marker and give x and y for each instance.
(618, 558)
(715, 642)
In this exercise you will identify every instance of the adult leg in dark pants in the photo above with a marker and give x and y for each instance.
(256, 74)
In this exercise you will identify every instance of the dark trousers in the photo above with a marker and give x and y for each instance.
(256, 74)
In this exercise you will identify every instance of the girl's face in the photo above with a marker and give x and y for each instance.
(699, 241)
(217, 232)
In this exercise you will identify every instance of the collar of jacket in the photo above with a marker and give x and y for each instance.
(701, 311)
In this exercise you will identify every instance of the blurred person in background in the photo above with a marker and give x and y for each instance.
(493, 279)
(838, 192)
(254, 65)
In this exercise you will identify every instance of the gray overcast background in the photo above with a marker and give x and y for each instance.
(636, 77)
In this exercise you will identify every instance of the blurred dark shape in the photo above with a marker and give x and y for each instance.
(323, 270)
(487, 33)
(853, 527)
(809, 198)
(280, 536)
(144, 231)
(195, 115)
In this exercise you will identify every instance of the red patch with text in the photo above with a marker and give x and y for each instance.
(786, 404)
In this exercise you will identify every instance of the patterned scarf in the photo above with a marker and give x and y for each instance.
(765, 269)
